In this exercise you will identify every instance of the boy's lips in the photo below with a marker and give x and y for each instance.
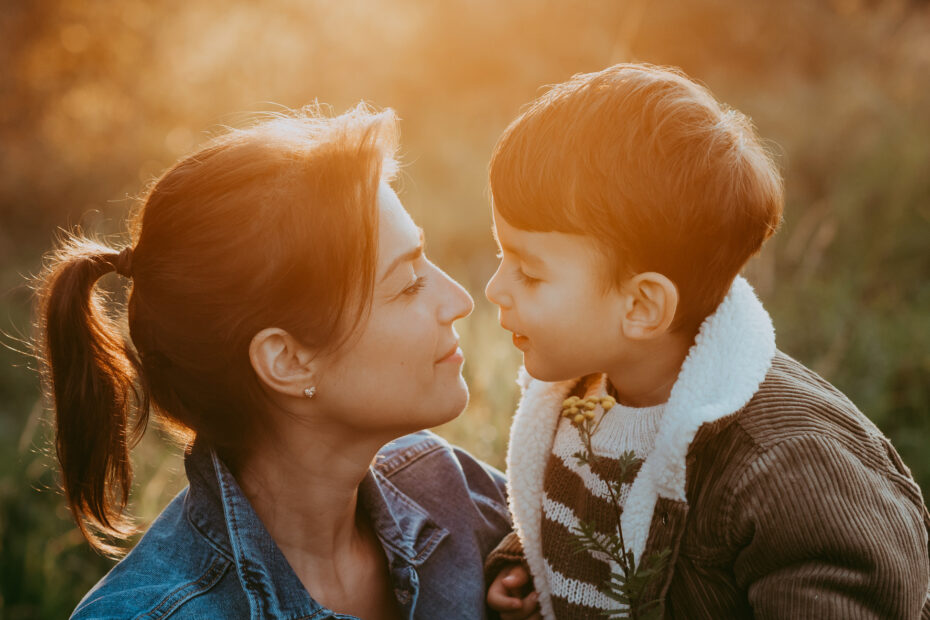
(519, 340)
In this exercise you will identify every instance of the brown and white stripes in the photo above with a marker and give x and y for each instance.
(576, 492)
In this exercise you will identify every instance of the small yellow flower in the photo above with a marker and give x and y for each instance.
(608, 402)
(571, 400)
(590, 405)
(589, 415)
(578, 419)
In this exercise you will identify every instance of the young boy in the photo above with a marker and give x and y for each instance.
(626, 202)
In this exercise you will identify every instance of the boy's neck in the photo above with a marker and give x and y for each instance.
(646, 376)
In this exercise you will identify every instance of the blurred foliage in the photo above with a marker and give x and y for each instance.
(97, 97)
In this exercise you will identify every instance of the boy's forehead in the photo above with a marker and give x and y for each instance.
(541, 247)
(513, 239)
(504, 231)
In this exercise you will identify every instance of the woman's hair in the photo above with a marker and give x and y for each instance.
(272, 225)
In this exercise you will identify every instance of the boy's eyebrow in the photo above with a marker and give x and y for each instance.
(526, 257)
(408, 256)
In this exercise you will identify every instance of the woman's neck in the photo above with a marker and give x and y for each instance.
(304, 488)
(303, 484)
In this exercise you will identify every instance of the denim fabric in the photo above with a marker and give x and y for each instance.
(437, 512)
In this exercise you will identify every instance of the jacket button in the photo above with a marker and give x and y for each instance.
(664, 518)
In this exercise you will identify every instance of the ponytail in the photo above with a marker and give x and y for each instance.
(89, 372)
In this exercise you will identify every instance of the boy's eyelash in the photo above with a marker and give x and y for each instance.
(521, 276)
(528, 280)
(415, 288)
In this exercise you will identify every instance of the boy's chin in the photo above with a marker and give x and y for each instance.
(549, 374)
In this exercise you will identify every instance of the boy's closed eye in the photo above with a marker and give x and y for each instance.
(527, 279)
(520, 273)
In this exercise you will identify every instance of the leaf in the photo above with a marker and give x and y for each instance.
(581, 457)
(620, 597)
(586, 538)
(628, 466)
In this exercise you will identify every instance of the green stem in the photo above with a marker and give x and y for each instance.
(615, 504)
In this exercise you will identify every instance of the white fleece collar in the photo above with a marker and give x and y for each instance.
(723, 370)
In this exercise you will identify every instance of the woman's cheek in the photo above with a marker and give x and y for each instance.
(413, 331)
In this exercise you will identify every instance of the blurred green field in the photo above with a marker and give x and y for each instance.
(99, 97)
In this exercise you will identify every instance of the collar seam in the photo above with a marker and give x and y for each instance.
(411, 551)
(215, 544)
(173, 600)
(399, 462)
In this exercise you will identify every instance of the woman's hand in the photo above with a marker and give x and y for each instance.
(511, 594)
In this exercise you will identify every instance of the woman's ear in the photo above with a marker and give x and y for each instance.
(283, 365)
(651, 301)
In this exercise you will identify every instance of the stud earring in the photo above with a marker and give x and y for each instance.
(310, 391)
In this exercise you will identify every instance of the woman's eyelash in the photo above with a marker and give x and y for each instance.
(416, 287)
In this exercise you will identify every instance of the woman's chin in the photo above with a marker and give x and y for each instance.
(452, 404)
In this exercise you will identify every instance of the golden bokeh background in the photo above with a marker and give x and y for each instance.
(98, 97)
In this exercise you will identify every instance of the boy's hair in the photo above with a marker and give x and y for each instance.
(647, 163)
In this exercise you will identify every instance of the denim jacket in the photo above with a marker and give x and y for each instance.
(437, 512)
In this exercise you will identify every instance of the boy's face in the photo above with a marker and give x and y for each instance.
(552, 296)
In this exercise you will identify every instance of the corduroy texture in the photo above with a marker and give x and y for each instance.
(795, 507)
(508, 551)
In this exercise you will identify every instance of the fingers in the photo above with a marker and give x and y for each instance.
(508, 594)
(500, 597)
(515, 577)
(529, 609)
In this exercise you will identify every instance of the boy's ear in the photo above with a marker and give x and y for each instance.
(283, 365)
(651, 301)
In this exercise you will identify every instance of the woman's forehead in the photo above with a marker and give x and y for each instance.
(398, 234)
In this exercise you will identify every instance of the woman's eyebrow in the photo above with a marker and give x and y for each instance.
(408, 256)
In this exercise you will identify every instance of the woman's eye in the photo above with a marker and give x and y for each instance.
(415, 288)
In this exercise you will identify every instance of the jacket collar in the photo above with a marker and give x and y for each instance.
(220, 511)
(723, 370)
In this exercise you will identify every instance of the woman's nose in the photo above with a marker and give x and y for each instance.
(459, 304)
(494, 291)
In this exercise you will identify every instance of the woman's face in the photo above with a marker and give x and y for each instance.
(402, 371)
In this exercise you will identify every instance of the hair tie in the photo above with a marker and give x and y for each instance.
(123, 263)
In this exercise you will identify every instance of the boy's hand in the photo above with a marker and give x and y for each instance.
(511, 594)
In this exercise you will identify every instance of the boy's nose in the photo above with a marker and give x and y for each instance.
(495, 292)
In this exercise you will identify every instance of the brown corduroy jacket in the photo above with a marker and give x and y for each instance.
(797, 507)
(793, 505)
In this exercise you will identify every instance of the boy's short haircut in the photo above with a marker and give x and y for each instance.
(649, 165)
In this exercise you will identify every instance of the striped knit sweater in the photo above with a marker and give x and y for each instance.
(573, 493)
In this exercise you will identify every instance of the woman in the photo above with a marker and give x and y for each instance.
(284, 316)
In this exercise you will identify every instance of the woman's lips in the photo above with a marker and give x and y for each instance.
(455, 356)
(521, 342)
